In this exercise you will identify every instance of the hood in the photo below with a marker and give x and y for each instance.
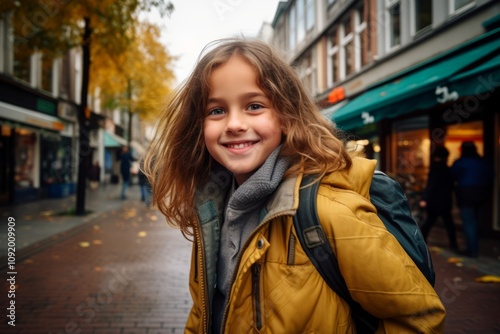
(358, 178)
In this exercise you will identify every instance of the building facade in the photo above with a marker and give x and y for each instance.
(402, 76)
(39, 101)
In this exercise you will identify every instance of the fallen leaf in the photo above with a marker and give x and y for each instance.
(96, 227)
(97, 242)
(154, 218)
(455, 260)
(84, 244)
(28, 261)
(436, 249)
(488, 279)
(27, 217)
(47, 213)
(142, 234)
(97, 268)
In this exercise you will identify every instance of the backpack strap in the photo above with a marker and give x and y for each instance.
(315, 244)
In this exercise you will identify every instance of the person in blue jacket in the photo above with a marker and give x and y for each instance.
(473, 184)
(125, 164)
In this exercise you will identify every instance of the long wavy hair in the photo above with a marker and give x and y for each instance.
(178, 162)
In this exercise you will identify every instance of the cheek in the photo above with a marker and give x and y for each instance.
(210, 134)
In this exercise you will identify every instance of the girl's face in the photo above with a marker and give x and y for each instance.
(240, 128)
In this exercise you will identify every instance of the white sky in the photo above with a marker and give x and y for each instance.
(194, 24)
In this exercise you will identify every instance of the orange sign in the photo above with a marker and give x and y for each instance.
(337, 94)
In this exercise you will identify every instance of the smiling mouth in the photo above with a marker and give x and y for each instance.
(240, 145)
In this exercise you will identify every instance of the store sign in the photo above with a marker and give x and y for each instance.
(446, 96)
(337, 94)
(367, 118)
(67, 111)
(18, 114)
(46, 107)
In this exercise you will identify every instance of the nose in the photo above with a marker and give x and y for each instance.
(236, 121)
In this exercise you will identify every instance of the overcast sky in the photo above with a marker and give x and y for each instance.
(195, 23)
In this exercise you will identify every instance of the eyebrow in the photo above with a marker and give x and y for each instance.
(246, 96)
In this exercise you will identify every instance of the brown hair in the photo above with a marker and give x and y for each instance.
(178, 162)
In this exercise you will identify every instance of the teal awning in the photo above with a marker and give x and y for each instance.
(439, 80)
(111, 140)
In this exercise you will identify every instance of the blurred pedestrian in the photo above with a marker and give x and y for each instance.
(473, 184)
(95, 175)
(125, 163)
(438, 195)
(145, 187)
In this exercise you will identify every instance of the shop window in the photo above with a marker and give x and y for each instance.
(25, 145)
(460, 5)
(393, 23)
(468, 131)
(422, 14)
(411, 152)
(56, 166)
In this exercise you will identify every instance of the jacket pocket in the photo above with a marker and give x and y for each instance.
(256, 268)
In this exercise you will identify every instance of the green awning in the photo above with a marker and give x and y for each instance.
(111, 140)
(478, 81)
(438, 80)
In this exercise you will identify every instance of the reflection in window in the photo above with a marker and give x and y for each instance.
(24, 158)
(291, 28)
(456, 5)
(307, 72)
(423, 14)
(300, 20)
(350, 58)
(394, 25)
(47, 73)
(22, 58)
(333, 58)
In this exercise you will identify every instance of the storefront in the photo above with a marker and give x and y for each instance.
(27, 153)
(446, 100)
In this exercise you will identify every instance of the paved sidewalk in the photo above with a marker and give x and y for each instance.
(121, 269)
(40, 223)
(126, 272)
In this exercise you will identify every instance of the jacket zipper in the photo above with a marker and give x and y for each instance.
(256, 294)
(233, 276)
(203, 285)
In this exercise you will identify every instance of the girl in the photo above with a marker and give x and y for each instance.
(226, 165)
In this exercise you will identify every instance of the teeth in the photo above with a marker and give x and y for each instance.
(242, 145)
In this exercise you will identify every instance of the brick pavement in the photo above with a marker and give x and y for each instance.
(472, 307)
(132, 278)
(126, 273)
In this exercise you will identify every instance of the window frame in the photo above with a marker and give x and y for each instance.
(311, 70)
(413, 18)
(388, 5)
(452, 11)
(301, 21)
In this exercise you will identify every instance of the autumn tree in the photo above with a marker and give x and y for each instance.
(56, 26)
(138, 79)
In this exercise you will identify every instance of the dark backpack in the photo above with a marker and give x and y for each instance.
(394, 211)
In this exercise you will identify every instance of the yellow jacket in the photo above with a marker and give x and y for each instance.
(276, 289)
